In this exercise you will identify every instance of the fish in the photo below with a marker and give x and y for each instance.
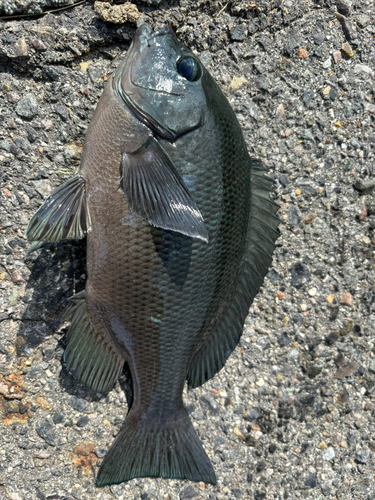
(181, 227)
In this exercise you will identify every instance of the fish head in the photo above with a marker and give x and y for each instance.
(162, 82)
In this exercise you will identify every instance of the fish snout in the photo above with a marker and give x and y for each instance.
(143, 31)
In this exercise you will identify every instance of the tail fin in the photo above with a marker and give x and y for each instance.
(145, 448)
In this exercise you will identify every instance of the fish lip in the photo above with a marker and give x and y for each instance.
(144, 31)
(144, 34)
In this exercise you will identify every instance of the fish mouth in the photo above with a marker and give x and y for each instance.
(125, 84)
(146, 35)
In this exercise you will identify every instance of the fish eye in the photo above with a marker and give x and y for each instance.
(189, 68)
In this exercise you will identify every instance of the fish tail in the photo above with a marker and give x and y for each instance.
(145, 447)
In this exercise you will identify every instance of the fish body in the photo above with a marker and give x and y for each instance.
(180, 231)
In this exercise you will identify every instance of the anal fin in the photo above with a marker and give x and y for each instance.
(63, 215)
(89, 356)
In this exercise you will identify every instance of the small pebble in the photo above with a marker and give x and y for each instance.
(330, 298)
(188, 493)
(58, 418)
(363, 68)
(362, 456)
(329, 454)
(117, 14)
(39, 45)
(336, 54)
(239, 32)
(319, 38)
(237, 82)
(27, 106)
(83, 421)
(43, 187)
(293, 355)
(101, 452)
(311, 481)
(346, 299)
(20, 48)
(326, 487)
(16, 277)
(78, 404)
(347, 327)
(347, 49)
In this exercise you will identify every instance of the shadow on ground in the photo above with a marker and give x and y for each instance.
(56, 274)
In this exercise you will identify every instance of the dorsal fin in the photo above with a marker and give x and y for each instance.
(261, 236)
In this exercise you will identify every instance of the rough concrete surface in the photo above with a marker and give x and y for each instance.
(292, 413)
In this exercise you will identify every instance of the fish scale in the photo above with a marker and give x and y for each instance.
(180, 232)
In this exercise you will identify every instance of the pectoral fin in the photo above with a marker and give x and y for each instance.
(64, 215)
(156, 191)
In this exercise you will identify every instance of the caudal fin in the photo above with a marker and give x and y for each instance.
(144, 448)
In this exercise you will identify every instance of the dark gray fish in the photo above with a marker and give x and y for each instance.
(181, 230)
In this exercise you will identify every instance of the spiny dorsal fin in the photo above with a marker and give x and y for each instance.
(63, 215)
(261, 237)
(88, 356)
